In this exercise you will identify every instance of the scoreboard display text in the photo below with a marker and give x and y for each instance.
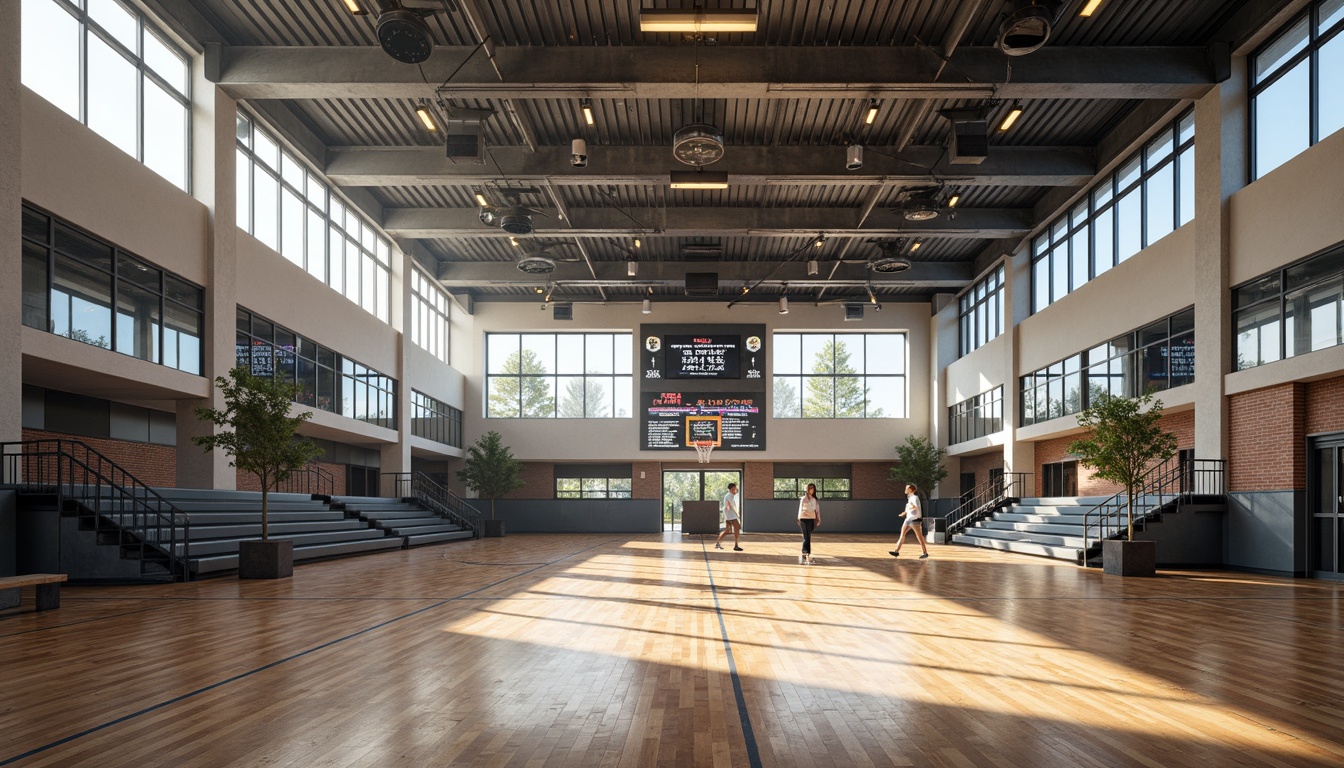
(731, 420)
(702, 382)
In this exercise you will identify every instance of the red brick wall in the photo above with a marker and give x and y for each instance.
(650, 486)
(758, 480)
(869, 480)
(979, 466)
(154, 465)
(538, 482)
(1325, 406)
(1052, 451)
(1265, 439)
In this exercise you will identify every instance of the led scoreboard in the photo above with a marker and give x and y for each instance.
(702, 357)
(702, 383)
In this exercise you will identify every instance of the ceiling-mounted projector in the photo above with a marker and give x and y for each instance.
(536, 265)
(698, 144)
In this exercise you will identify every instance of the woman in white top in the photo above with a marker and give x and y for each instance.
(809, 519)
(914, 521)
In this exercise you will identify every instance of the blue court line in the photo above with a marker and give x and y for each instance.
(300, 654)
(748, 734)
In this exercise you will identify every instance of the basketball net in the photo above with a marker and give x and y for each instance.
(702, 450)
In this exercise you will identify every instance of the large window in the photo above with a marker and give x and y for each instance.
(592, 481)
(292, 210)
(325, 380)
(106, 65)
(1290, 311)
(839, 375)
(982, 312)
(83, 288)
(1297, 86)
(977, 416)
(832, 480)
(1151, 194)
(558, 375)
(435, 420)
(429, 315)
(1155, 357)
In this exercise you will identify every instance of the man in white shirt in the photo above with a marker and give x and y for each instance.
(732, 519)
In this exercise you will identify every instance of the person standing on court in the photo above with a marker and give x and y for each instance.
(732, 519)
(914, 521)
(809, 519)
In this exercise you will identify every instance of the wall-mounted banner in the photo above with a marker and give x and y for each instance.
(732, 420)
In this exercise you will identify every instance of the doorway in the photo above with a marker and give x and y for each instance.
(694, 485)
(1325, 503)
(1059, 479)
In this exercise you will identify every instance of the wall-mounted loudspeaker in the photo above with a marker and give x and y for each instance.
(854, 311)
(970, 142)
(562, 311)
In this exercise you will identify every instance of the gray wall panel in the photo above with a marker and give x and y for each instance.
(1264, 531)
(576, 515)
(1191, 538)
(8, 533)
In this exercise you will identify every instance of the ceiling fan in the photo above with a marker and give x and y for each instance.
(541, 258)
(923, 203)
(511, 216)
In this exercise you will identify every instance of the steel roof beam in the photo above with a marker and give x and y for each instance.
(715, 222)
(726, 72)
(733, 276)
(421, 166)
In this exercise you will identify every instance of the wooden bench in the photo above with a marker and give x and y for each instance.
(48, 588)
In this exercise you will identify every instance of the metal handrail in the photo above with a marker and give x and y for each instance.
(401, 483)
(985, 499)
(311, 479)
(74, 472)
(444, 502)
(1170, 481)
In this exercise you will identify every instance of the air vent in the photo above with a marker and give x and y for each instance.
(562, 311)
(702, 283)
(536, 265)
(854, 311)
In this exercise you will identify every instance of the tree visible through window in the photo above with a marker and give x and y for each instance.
(567, 376)
(839, 376)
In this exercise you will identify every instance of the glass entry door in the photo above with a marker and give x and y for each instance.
(693, 485)
(1325, 500)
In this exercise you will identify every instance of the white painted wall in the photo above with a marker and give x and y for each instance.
(83, 178)
(620, 439)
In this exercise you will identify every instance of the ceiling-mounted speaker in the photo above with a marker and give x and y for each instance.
(405, 36)
(969, 144)
(702, 283)
(854, 311)
(562, 311)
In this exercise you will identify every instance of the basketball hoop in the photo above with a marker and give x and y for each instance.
(702, 450)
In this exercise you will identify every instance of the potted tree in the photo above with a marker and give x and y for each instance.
(920, 462)
(259, 435)
(1125, 440)
(491, 471)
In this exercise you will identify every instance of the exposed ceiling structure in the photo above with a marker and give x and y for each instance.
(832, 120)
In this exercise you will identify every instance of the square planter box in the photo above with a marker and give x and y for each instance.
(272, 559)
(1129, 558)
(492, 528)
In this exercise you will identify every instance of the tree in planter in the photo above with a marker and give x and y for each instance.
(1125, 441)
(258, 433)
(921, 463)
(491, 469)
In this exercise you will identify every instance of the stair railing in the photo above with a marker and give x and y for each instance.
(985, 499)
(1172, 482)
(77, 474)
(311, 479)
(444, 502)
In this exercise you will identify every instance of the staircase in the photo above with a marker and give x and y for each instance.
(1072, 528)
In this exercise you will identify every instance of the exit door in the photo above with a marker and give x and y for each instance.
(1325, 500)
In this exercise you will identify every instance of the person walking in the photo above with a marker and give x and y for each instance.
(809, 519)
(914, 521)
(732, 519)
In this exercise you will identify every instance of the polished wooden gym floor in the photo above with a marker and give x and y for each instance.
(590, 651)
